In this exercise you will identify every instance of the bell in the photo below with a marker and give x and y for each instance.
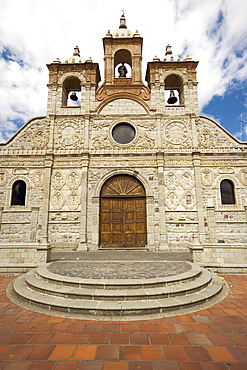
(172, 99)
(73, 96)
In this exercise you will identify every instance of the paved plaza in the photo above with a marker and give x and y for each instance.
(210, 339)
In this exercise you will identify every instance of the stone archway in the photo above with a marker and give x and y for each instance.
(123, 213)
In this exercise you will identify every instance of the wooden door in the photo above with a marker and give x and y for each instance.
(123, 213)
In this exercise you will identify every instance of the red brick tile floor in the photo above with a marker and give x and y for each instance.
(210, 339)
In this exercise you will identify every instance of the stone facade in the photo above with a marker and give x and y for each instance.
(180, 158)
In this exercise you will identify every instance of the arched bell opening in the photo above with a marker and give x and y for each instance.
(174, 92)
(122, 64)
(123, 213)
(71, 92)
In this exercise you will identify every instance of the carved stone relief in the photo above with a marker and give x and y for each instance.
(206, 177)
(176, 132)
(145, 141)
(226, 170)
(187, 180)
(101, 142)
(38, 177)
(73, 201)
(205, 138)
(3, 177)
(171, 180)
(57, 200)
(243, 176)
(40, 139)
(172, 200)
(57, 180)
(68, 134)
(188, 200)
(73, 180)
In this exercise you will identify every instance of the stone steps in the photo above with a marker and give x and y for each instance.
(117, 297)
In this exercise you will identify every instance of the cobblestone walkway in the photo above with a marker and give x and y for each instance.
(118, 269)
(212, 339)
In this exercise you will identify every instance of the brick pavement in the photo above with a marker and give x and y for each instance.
(211, 339)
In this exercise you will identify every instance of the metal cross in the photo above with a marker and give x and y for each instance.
(123, 11)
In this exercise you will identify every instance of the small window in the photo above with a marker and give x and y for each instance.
(123, 133)
(227, 192)
(18, 197)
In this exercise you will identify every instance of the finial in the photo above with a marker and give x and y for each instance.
(122, 20)
(76, 51)
(168, 50)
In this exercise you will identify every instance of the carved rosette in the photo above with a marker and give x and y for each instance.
(57, 180)
(172, 200)
(40, 139)
(57, 200)
(68, 134)
(206, 177)
(176, 133)
(171, 180)
(187, 180)
(243, 176)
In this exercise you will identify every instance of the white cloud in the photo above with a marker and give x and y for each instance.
(36, 32)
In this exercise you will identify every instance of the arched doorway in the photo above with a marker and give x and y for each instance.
(123, 213)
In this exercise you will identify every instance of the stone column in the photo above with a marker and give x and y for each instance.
(1, 211)
(34, 223)
(211, 223)
(162, 211)
(45, 208)
(200, 212)
(84, 195)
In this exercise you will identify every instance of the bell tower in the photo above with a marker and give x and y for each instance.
(123, 63)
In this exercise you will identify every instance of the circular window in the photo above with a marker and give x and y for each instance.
(123, 133)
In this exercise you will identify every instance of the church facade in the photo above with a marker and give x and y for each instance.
(123, 164)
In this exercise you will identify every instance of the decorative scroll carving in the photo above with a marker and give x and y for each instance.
(145, 141)
(101, 142)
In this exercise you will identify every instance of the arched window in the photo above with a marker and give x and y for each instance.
(122, 63)
(227, 192)
(18, 197)
(174, 92)
(71, 92)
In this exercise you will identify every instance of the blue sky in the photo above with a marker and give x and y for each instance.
(34, 33)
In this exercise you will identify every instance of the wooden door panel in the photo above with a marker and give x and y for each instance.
(123, 213)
